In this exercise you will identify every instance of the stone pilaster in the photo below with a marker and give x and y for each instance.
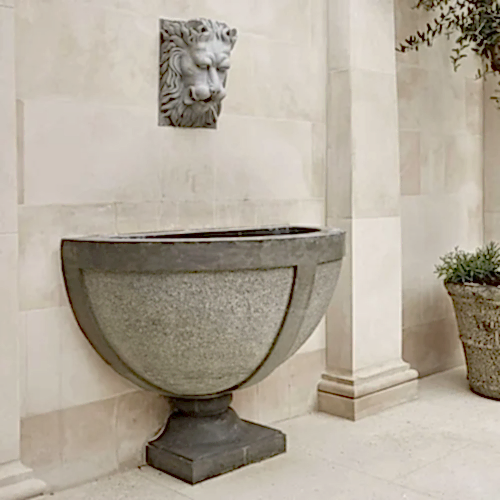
(16, 480)
(365, 371)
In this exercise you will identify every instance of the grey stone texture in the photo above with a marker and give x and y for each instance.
(201, 313)
(325, 282)
(191, 333)
(194, 64)
(205, 438)
(478, 317)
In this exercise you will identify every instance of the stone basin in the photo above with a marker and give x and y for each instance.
(195, 315)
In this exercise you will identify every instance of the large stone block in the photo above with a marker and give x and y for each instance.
(77, 153)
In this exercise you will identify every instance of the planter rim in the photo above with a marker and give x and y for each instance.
(471, 285)
(258, 247)
(474, 288)
(473, 292)
(211, 235)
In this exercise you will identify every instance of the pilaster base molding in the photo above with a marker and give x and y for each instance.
(368, 391)
(17, 482)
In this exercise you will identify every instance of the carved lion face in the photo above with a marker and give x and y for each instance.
(194, 66)
(204, 71)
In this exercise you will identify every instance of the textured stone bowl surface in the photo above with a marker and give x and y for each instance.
(201, 313)
(477, 308)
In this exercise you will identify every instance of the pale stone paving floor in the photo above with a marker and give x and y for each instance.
(445, 445)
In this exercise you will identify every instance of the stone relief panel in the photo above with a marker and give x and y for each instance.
(194, 65)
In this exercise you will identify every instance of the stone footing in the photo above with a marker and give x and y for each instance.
(206, 438)
(355, 409)
(17, 482)
(359, 397)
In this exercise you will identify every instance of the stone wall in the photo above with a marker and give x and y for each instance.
(9, 410)
(491, 163)
(93, 160)
(441, 124)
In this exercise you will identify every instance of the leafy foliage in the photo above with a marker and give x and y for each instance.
(481, 266)
(476, 24)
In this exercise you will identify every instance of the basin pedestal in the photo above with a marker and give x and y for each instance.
(204, 438)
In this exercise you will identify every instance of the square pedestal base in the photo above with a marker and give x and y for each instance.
(194, 463)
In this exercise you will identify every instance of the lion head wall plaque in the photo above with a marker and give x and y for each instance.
(194, 63)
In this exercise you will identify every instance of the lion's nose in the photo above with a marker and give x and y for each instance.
(217, 89)
(199, 93)
(219, 93)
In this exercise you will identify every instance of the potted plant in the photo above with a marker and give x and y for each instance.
(473, 282)
(474, 23)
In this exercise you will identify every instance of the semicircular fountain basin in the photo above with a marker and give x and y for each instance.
(195, 315)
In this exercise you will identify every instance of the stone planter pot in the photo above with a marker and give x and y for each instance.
(196, 315)
(477, 308)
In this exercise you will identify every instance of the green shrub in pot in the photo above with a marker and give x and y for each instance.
(473, 282)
